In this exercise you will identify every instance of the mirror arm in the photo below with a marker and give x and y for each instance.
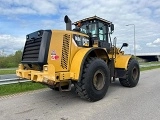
(121, 48)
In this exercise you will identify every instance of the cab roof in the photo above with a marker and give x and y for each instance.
(92, 18)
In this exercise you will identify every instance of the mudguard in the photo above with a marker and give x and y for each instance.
(121, 61)
(81, 56)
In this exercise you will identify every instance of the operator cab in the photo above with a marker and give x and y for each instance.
(97, 28)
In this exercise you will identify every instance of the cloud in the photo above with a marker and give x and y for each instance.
(18, 10)
(155, 43)
(151, 45)
(21, 17)
(48, 23)
(138, 47)
(10, 44)
(41, 7)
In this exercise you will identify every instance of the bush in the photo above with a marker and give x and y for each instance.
(11, 60)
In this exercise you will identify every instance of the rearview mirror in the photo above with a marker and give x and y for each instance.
(112, 27)
(124, 45)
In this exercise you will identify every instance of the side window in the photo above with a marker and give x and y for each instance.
(83, 29)
(102, 32)
(93, 30)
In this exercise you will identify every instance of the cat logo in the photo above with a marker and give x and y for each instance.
(81, 40)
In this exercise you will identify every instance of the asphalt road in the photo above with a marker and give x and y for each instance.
(8, 76)
(120, 103)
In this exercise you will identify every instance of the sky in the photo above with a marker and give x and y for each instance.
(21, 17)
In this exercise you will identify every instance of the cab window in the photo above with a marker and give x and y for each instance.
(90, 28)
(83, 29)
(102, 31)
(93, 30)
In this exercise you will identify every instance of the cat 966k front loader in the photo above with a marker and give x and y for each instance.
(84, 56)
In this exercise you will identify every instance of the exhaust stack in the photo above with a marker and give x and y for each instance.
(68, 23)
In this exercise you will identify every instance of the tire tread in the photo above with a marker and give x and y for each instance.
(80, 86)
(125, 82)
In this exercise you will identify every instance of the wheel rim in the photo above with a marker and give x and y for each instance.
(98, 80)
(135, 73)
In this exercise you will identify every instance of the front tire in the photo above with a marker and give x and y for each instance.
(94, 81)
(132, 75)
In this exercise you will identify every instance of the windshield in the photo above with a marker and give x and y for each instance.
(89, 28)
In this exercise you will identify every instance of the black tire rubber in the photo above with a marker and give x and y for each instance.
(85, 87)
(132, 75)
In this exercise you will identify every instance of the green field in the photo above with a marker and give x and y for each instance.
(150, 63)
(7, 71)
(149, 68)
(19, 87)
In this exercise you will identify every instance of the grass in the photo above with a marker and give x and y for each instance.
(153, 63)
(149, 68)
(3, 72)
(19, 87)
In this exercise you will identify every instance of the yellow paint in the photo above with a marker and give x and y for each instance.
(121, 61)
(65, 76)
(77, 61)
(56, 45)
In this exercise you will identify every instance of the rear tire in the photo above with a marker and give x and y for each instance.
(94, 81)
(132, 75)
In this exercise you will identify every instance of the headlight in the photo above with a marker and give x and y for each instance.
(39, 33)
(27, 36)
(45, 68)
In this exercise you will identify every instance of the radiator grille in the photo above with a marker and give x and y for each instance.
(65, 51)
(31, 50)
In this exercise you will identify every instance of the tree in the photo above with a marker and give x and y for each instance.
(18, 56)
(11, 60)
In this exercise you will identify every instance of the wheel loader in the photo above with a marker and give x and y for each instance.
(84, 57)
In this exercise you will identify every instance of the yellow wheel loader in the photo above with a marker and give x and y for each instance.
(84, 57)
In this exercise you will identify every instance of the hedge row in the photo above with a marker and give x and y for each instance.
(11, 60)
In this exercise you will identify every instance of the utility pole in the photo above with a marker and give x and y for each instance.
(134, 39)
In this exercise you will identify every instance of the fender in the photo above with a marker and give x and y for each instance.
(80, 58)
(121, 61)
